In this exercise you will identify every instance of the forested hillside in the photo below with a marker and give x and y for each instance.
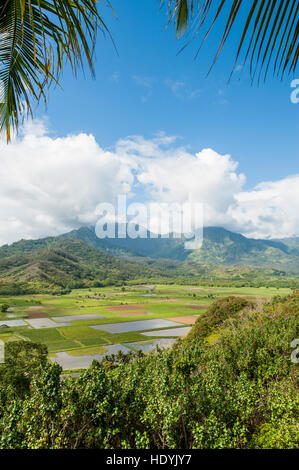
(65, 264)
(231, 383)
(68, 263)
(220, 247)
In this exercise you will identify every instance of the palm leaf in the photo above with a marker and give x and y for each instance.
(270, 32)
(37, 37)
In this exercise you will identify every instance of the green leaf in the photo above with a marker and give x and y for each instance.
(37, 38)
(270, 29)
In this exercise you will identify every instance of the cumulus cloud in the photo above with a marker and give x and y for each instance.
(269, 210)
(50, 185)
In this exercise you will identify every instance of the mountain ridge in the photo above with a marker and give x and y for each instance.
(220, 247)
(79, 259)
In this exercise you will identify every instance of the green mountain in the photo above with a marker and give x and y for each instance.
(220, 247)
(292, 242)
(63, 263)
(223, 247)
(80, 259)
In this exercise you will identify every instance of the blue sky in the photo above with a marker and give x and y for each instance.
(148, 88)
(113, 135)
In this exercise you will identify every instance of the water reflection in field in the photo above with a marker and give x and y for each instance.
(140, 325)
(148, 346)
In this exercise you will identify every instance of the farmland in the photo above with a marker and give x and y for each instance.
(132, 318)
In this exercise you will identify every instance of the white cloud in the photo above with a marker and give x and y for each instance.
(50, 185)
(269, 210)
(181, 90)
(147, 83)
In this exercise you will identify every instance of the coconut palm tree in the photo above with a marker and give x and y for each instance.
(269, 32)
(37, 38)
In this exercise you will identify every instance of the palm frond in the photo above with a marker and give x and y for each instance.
(37, 37)
(270, 33)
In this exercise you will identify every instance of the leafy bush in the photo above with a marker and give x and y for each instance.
(239, 393)
(216, 314)
(22, 360)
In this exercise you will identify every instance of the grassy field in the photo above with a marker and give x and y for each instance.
(115, 304)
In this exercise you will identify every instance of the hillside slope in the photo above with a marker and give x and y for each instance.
(80, 259)
(67, 263)
(220, 247)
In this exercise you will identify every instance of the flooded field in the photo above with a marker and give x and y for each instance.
(89, 324)
(67, 361)
(149, 346)
(135, 325)
(177, 332)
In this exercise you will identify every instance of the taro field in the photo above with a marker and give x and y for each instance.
(92, 323)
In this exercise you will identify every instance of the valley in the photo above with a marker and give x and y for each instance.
(90, 324)
(79, 259)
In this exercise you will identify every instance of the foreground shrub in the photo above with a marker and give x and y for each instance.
(216, 314)
(239, 393)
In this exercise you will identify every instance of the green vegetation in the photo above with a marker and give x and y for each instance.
(224, 247)
(79, 259)
(263, 29)
(74, 337)
(240, 392)
(66, 264)
(62, 345)
(47, 335)
(35, 39)
(165, 301)
(216, 314)
(23, 360)
(87, 351)
(6, 338)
